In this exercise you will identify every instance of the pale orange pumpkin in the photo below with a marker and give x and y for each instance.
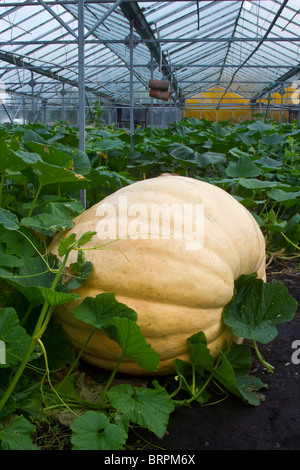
(175, 290)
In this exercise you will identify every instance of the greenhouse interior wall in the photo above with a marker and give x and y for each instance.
(146, 114)
(217, 104)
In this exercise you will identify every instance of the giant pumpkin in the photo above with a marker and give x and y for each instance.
(177, 274)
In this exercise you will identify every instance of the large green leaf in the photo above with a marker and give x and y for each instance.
(47, 173)
(149, 408)
(132, 342)
(260, 126)
(51, 154)
(48, 224)
(244, 167)
(8, 219)
(93, 431)
(13, 337)
(100, 310)
(32, 275)
(241, 385)
(255, 313)
(273, 139)
(16, 436)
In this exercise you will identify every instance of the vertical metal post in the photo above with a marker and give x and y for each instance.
(32, 83)
(131, 86)
(281, 104)
(151, 116)
(81, 86)
(24, 111)
(63, 92)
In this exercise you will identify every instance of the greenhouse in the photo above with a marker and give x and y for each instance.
(58, 57)
(149, 227)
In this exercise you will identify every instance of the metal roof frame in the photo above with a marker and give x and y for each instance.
(177, 35)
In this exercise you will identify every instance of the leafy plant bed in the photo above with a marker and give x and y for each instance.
(43, 383)
(226, 425)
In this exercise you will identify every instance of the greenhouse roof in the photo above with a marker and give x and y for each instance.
(249, 47)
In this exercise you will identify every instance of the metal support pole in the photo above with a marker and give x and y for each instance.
(63, 92)
(81, 87)
(131, 86)
(24, 111)
(32, 83)
(151, 116)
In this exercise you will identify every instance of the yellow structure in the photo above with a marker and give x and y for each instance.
(235, 107)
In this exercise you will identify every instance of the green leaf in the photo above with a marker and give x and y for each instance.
(21, 243)
(54, 298)
(47, 224)
(13, 337)
(253, 183)
(279, 195)
(32, 275)
(199, 352)
(244, 167)
(78, 275)
(255, 314)
(66, 244)
(273, 139)
(100, 310)
(15, 161)
(260, 126)
(149, 408)
(132, 342)
(85, 238)
(16, 436)
(58, 346)
(47, 173)
(210, 158)
(8, 219)
(50, 154)
(10, 261)
(93, 431)
(240, 385)
(240, 358)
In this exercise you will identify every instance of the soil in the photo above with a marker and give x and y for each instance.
(233, 425)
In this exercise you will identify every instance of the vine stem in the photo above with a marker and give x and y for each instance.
(1, 186)
(75, 363)
(290, 241)
(269, 367)
(47, 373)
(38, 331)
(34, 200)
(194, 397)
(108, 383)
